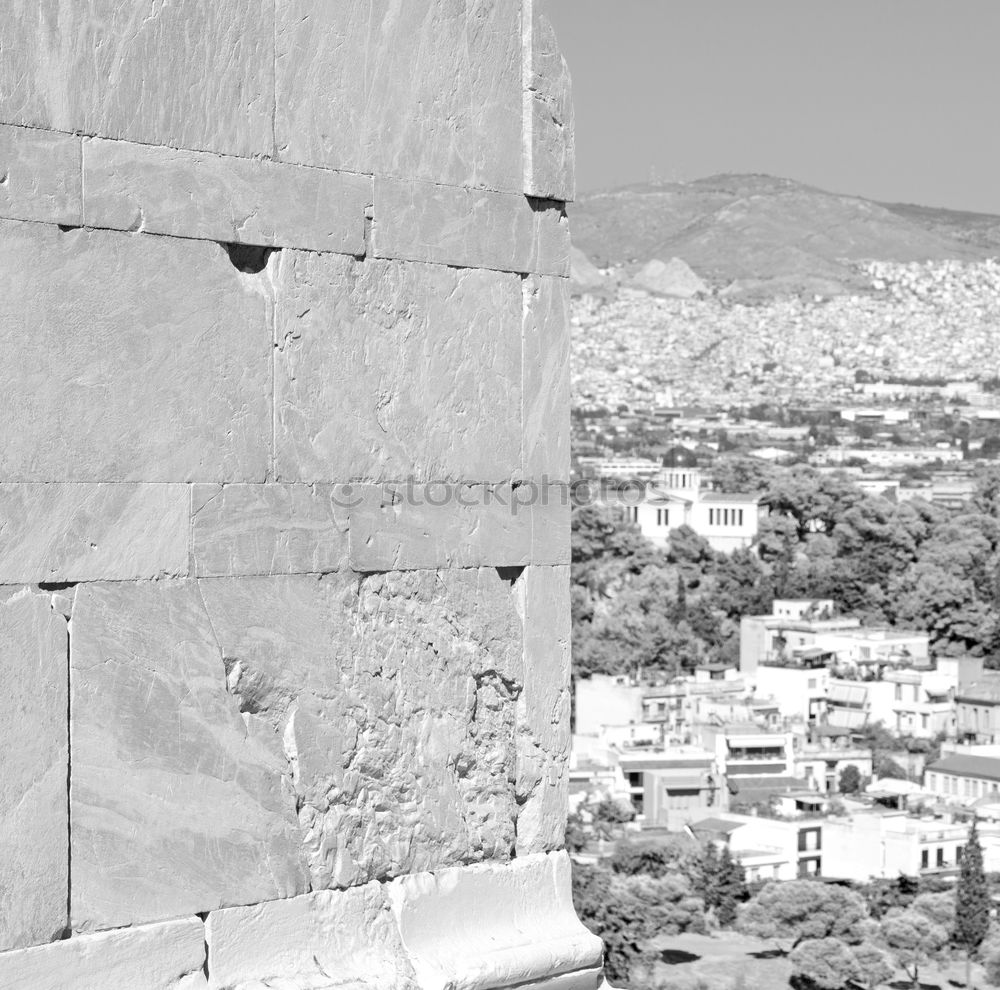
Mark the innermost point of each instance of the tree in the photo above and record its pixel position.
(731, 889)
(913, 939)
(677, 854)
(873, 965)
(850, 779)
(826, 963)
(972, 901)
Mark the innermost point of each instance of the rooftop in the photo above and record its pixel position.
(987, 767)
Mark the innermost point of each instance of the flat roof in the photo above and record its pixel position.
(987, 767)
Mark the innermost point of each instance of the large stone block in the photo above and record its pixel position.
(427, 89)
(388, 371)
(550, 522)
(546, 398)
(196, 194)
(469, 228)
(344, 938)
(39, 176)
(130, 358)
(267, 529)
(543, 709)
(395, 695)
(412, 527)
(92, 532)
(33, 767)
(168, 956)
(549, 151)
(179, 803)
(492, 925)
(187, 74)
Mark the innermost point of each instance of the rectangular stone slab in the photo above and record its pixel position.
(40, 176)
(130, 358)
(427, 89)
(34, 844)
(395, 696)
(168, 956)
(469, 228)
(188, 74)
(267, 529)
(388, 371)
(92, 532)
(179, 805)
(195, 194)
(546, 402)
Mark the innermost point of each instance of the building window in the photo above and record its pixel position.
(711, 517)
(959, 853)
(925, 859)
(740, 515)
(940, 857)
(924, 720)
(899, 692)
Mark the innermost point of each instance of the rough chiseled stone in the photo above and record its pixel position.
(388, 371)
(550, 522)
(546, 400)
(130, 358)
(494, 925)
(179, 804)
(469, 228)
(412, 527)
(324, 939)
(543, 709)
(267, 529)
(39, 176)
(395, 695)
(33, 767)
(144, 71)
(428, 89)
(219, 198)
(92, 532)
(167, 956)
(549, 155)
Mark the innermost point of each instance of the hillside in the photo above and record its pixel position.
(756, 235)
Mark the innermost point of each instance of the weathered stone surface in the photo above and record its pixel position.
(427, 89)
(130, 358)
(412, 527)
(324, 939)
(546, 354)
(549, 154)
(550, 522)
(267, 529)
(493, 925)
(168, 956)
(39, 176)
(395, 696)
(198, 194)
(178, 804)
(388, 371)
(543, 710)
(469, 228)
(188, 74)
(33, 767)
(92, 532)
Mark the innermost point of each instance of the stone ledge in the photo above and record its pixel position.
(168, 956)
(469, 228)
(40, 175)
(221, 198)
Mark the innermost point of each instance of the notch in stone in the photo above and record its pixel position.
(249, 258)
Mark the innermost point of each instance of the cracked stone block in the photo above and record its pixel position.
(92, 532)
(168, 956)
(39, 176)
(546, 389)
(195, 194)
(550, 522)
(324, 939)
(388, 371)
(428, 89)
(187, 74)
(180, 802)
(549, 155)
(395, 696)
(267, 529)
(469, 228)
(412, 527)
(543, 710)
(495, 925)
(33, 768)
(130, 358)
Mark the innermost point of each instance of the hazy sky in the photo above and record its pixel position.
(893, 99)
